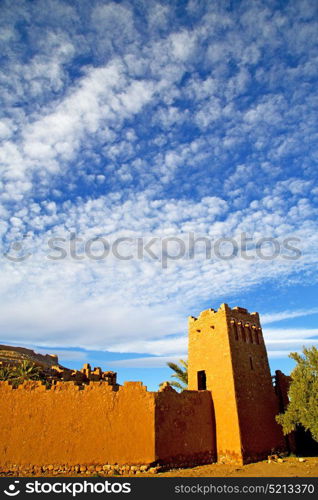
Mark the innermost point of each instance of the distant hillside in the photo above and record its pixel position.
(14, 355)
(50, 368)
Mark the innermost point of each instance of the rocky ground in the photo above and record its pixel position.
(287, 467)
(290, 467)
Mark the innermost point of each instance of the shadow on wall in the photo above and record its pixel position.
(305, 444)
(185, 427)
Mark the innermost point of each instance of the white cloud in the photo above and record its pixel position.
(127, 125)
(56, 135)
(278, 335)
(149, 362)
(174, 346)
(110, 304)
(183, 45)
(65, 355)
(283, 315)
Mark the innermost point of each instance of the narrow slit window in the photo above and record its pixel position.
(256, 337)
(251, 363)
(201, 380)
(235, 331)
(243, 334)
(250, 334)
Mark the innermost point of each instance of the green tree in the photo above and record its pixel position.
(5, 373)
(25, 371)
(303, 394)
(180, 374)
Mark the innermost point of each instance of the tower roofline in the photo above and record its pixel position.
(223, 307)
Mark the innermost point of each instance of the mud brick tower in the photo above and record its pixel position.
(227, 356)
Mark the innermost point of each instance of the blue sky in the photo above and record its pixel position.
(147, 119)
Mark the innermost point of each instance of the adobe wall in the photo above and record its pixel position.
(185, 428)
(98, 424)
(71, 425)
(282, 383)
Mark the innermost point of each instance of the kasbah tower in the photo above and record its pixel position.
(227, 356)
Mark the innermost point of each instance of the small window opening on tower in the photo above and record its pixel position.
(235, 331)
(201, 380)
(243, 334)
(251, 363)
(250, 335)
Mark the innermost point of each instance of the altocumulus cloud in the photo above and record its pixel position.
(153, 120)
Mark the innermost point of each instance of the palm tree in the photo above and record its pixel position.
(25, 371)
(5, 373)
(180, 373)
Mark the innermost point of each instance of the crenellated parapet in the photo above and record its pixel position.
(56, 385)
(245, 326)
(235, 312)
